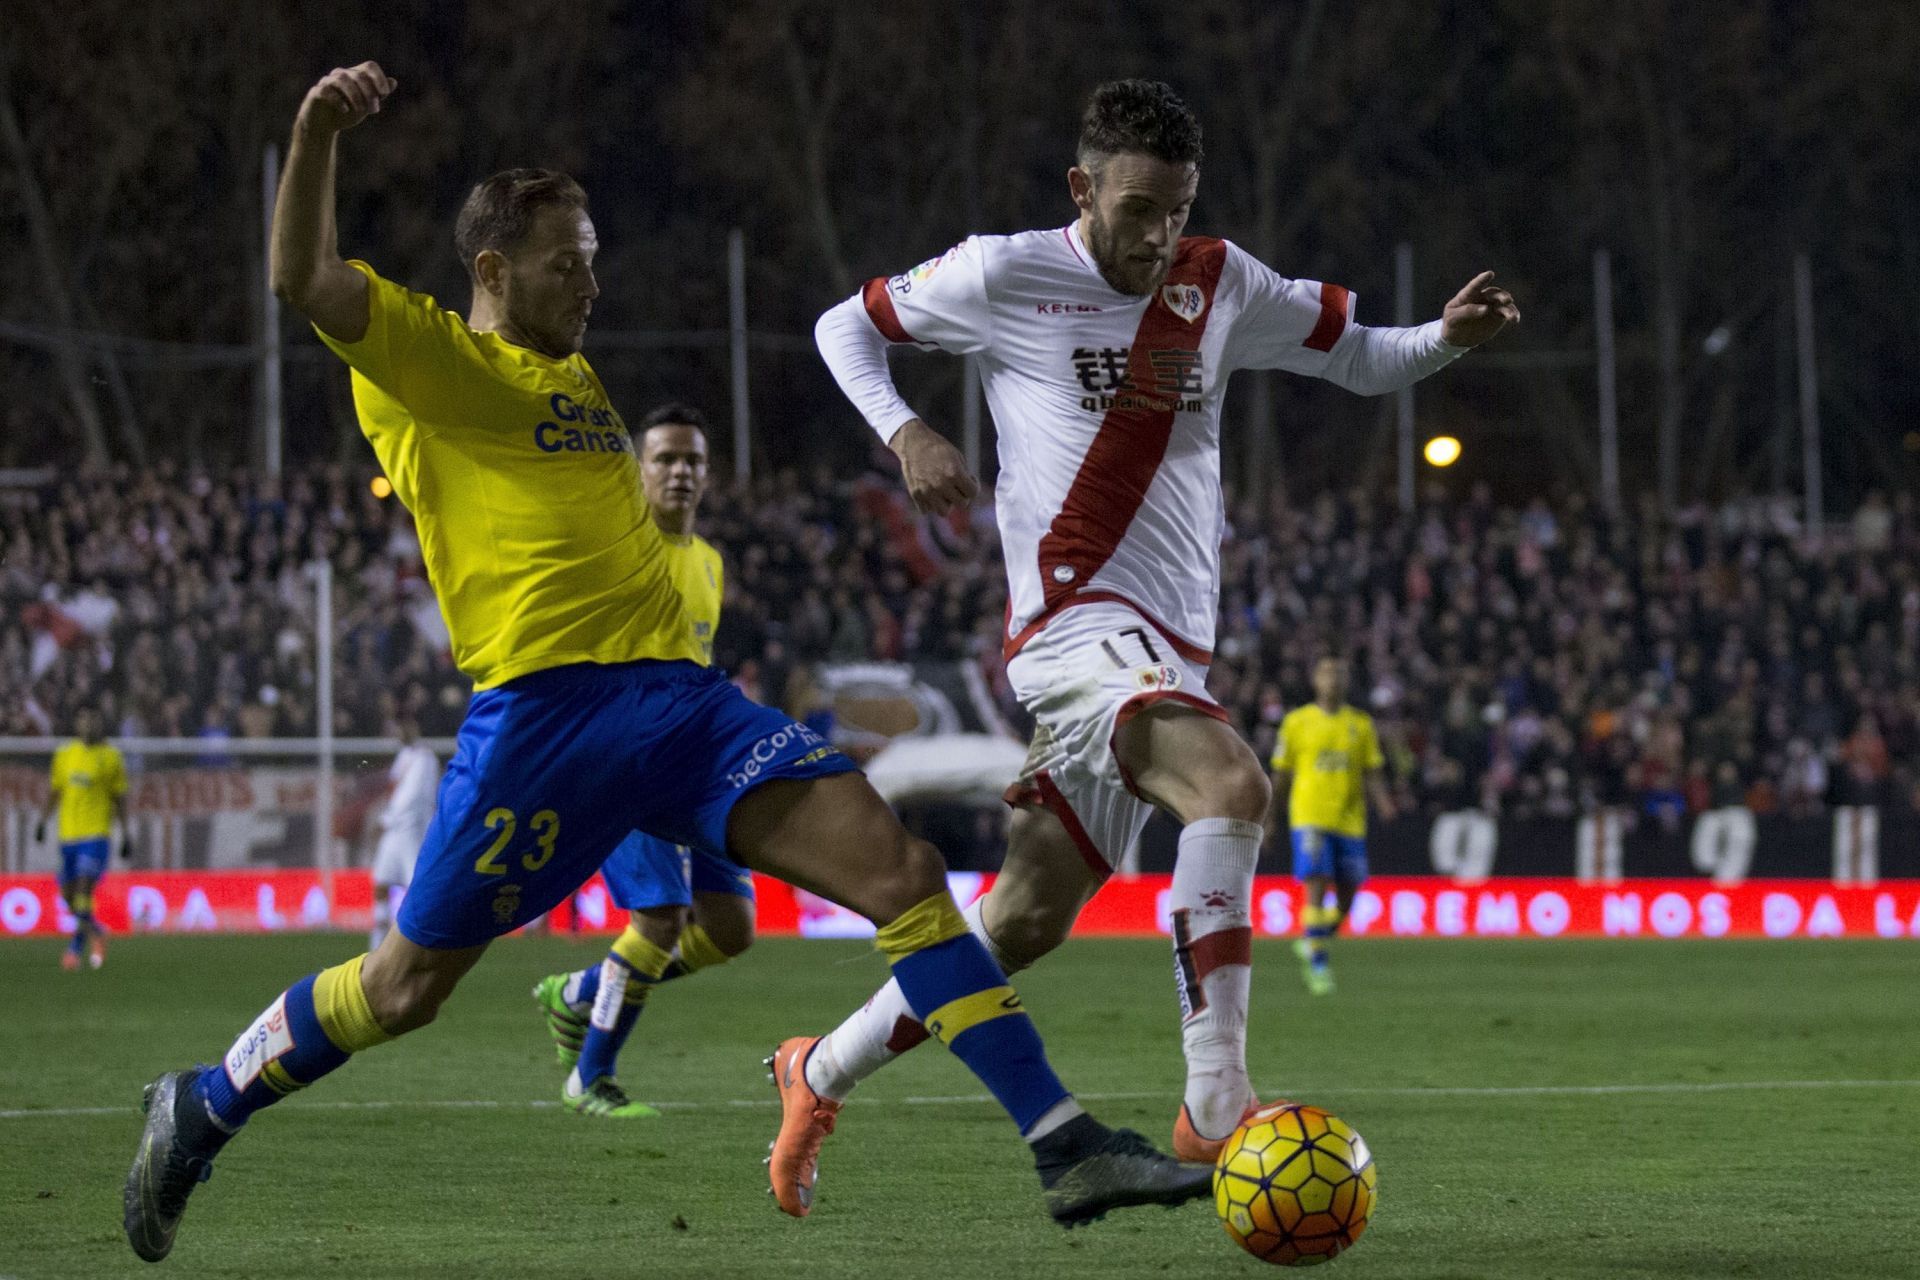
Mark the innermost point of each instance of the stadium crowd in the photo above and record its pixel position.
(1529, 661)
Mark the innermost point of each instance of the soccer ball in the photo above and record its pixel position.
(1294, 1185)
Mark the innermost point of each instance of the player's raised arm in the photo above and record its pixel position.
(1374, 361)
(1305, 326)
(306, 268)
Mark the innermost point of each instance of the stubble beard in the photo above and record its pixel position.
(1106, 257)
(1108, 261)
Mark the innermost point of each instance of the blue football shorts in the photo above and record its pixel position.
(553, 769)
(646, 871)
(1326, 856)
(83, 860)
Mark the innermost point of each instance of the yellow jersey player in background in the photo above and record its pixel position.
(592, 714)
(1331, 754)
(89, 787)
(684, 901)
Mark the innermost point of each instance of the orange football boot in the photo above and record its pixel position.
(806, 1119)
(1191, 1147)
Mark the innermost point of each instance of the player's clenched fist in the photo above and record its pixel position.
(345, 96)
(936, 473)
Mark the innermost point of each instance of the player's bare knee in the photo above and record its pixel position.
(1242, 792)
(1028, 930)
(661, 926)
(915, 873)
(732, 935)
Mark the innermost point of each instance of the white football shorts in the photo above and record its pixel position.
(1089, 671)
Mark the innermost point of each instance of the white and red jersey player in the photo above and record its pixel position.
(1108, 406)
(1105, 348)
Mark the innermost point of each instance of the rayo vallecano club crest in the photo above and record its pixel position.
(1184, 300)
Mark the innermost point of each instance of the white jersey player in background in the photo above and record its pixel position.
(414, 778)
(1105, 347)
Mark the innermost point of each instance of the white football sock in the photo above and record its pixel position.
(611, 996)
(1213, 939)
(880, 1030)
(570, 990)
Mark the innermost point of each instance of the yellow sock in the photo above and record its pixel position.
(922, 925)
(643, 957)
(699, 951)
(341, 1007)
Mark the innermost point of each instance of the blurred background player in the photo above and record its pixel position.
(1331, 754)
(88, 786)
(1105, 349)
(592, 716)
(685, 901)
(414, 778)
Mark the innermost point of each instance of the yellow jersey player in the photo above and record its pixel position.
(689, 902)
(592, 715)
(89, 787)
(1332, 756)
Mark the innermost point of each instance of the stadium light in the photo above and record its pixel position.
(382, 487)
(1442, 451)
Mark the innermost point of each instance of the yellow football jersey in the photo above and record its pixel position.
(88, 779)
(700, 578)
(1329, 756)
(524, 488)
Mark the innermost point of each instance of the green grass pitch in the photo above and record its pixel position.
(1537, 1110)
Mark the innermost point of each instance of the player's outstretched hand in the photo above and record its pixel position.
(1477, 312)
(345, 96)
(936, 473)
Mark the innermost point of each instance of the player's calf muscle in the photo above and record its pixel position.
(406, 984)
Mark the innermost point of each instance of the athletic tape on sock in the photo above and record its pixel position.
(925, 924)
(340, 1006)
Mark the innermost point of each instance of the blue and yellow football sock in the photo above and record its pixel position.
(627, 976)
(1320, 923)
(959, 993)
(313, 1027)
(695, 950)
(80, 903)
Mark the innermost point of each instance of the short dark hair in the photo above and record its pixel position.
(677, 413)
(499, 211)
(1142, 116)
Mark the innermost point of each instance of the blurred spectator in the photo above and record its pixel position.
(1527, 662)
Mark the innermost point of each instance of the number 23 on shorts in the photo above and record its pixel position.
(545, 826)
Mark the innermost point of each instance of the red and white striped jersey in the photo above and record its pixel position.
(1107, 405)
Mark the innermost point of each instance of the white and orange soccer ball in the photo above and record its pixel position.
(1294, 1185)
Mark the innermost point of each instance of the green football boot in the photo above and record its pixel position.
(606, 1099)
(568, 1029)
(1314, 969)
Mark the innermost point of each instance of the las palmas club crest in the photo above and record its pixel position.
(1184, 300)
